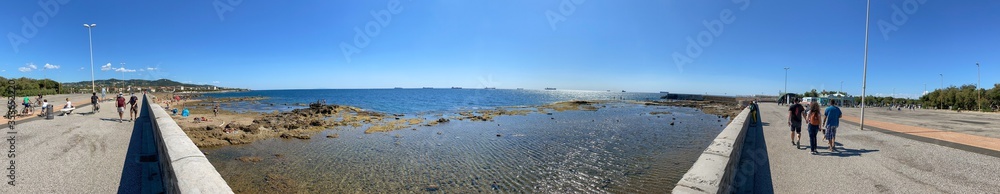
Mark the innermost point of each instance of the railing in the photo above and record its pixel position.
(185, 169)
(715, 169)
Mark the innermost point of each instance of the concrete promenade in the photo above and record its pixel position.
(873, 161)
(972, 123)
(78, 153)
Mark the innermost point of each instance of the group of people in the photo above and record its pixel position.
(120, 103)
(39, 102)
(830, 122)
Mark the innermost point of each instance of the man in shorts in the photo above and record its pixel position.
(133, 107)
(832, 121)
(94, 103)
(27, 106)
(795, 113)
(120, 103)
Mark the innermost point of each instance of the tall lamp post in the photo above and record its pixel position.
(942, 90)
(841, 93)
(942, 81)
(785, 94)
(978, 82)
(864, 77)
(123, 77)
(90, 36)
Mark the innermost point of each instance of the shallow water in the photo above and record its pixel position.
(618, 149)
(407, 101)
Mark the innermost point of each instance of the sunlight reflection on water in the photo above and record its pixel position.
(616, 150)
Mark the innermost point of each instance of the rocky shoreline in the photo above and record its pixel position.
(231, 128)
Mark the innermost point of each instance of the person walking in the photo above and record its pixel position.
(795, 113)
(831, 122)
(216, 109)
(813, 119)
(133, 107)
(120, 103)
(94, 103)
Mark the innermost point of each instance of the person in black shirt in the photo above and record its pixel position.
(93, 102)
(134, 107)
(795, 123)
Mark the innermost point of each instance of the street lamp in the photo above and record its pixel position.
(785, 95)
(90, 36)
(978, 82)
(942, 81)
(864, 77)
(123, 77)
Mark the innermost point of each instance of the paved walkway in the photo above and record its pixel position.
(79, 153)
(988, 143)
(872, 162)
(972, 123)
(58, 100)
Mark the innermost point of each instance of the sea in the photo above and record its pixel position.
(402, 101)
(619, 148)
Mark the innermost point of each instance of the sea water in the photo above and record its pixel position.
(620, 148)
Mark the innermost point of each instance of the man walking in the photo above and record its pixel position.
(93, 103)
(832, 121)
(795, 122)
(133, 108)
(120, 103)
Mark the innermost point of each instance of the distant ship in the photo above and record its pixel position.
(398, 88)
(623, 90)
(428, 87)
(456, 87)
(664, 92)
(491, 88)
(520, 88)
(550, 88)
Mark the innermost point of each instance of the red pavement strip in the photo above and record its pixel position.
(959, 138)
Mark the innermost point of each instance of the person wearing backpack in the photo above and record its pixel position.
(120, 103)
(795, 113)
(813, 119)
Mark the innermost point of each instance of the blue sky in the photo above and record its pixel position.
(567, 44)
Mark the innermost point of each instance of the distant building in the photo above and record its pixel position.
(684, 96)
(824, 101)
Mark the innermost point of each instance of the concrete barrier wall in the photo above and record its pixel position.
(715, 169)
(186, 169)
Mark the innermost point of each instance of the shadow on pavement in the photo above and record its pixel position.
(753, 173)
(845, 152)
(114, 120)
(132, 172)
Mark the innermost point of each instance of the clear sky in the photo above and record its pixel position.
(568, 44)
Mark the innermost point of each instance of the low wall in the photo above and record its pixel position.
(715, 169)
(185, 168)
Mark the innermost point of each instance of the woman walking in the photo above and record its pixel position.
(813, 118)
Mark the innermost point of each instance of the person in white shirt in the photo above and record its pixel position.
(45, 104)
